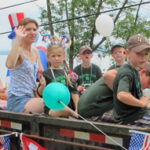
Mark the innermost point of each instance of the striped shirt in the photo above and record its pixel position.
(23, 78)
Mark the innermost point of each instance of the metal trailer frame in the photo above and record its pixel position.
(70, 134)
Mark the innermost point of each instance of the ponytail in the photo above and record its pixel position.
(68, 75)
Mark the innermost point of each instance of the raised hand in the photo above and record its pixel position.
(20, 33)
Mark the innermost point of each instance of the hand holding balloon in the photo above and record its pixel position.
(104, 25)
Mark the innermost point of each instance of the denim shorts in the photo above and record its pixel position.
(17, 103)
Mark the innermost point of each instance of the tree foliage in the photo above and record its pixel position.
(81, 16)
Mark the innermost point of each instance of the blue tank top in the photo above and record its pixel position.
(23, 78)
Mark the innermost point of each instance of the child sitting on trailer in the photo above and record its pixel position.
(98, 99)
(56, 73)
(23, 61)
(130, 106)
(118, 54)
(87, 72)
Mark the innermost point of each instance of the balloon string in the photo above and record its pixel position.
(78, 115)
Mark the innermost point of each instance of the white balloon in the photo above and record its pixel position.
(104, 25)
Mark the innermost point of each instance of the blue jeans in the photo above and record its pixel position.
(17, 103)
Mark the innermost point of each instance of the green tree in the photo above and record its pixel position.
(77, 18)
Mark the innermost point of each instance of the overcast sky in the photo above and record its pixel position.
(32, 10)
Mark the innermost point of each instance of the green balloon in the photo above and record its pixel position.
(55, 92)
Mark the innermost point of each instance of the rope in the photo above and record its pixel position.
(78, 115)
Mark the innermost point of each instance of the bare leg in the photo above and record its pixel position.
(60, 113)
(35, 105)
(3, 104)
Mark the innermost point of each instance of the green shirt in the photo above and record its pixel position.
(87, 76)
(96, 100)
(59, 76)
(127, 80)
(113, 67)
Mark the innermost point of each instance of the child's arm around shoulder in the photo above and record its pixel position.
(129, 99)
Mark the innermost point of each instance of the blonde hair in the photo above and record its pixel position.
(56, 48)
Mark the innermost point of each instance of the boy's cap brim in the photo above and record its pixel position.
(138, 43)
(84, 48)
(140, 48)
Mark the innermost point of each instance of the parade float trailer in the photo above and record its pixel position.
(67, 134)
